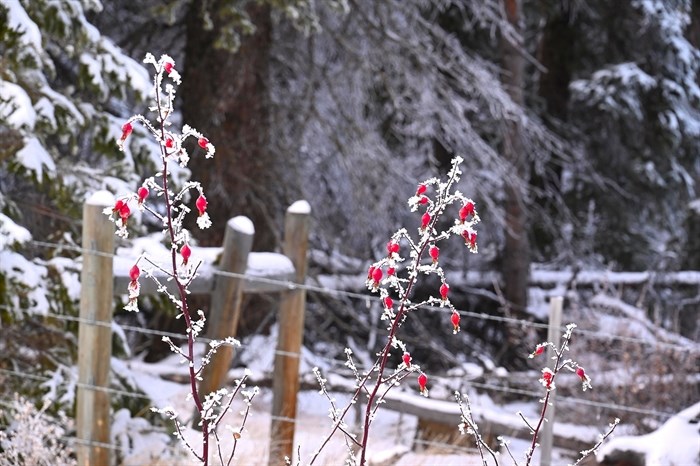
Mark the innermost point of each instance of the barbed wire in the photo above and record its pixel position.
(337, 293)
(290, 285)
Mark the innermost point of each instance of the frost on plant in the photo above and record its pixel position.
(31, 437)
(181, 265)
(409, 256)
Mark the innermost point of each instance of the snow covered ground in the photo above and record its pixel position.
(391, 440)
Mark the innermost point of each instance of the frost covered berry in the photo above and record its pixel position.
(466, 211)
(423, 200)
(444, 289)
(539, 349)
(142, 194)
(422, 382)
(425, 221)
(388, 302)
(421, 189)
(377, 275)
(391, 271)
(134, 273)
(585, 380)
(118, 205)
(434, 252)
(581, 373)
(469, 239)
(185, 252)
(407, 359)
(370, 271)
(203, 142)
(127, 128)
(455, 322)
(169, 143)
(168, 66)
(201, 204)
(124, 211)
(547, 377)
(392, 247)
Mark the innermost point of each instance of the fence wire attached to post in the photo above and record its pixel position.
(95, 341)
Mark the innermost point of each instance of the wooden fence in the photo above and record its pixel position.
(104, 275)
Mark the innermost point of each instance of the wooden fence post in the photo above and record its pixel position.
(226, 299)
(285, 383)
(95, 333)
(554, 336)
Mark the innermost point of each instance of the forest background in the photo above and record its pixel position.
(579, 123)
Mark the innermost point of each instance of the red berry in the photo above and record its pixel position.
(134, 273)
(423, 200)
(370, 271)
(203, 142)
(455, 321)
(444, 289)
(388, 302)
(434, 253)
(466, 211)
(547, 376)
(425, 221)
(142, 193)
(201, 204)
(391, 271)
(581, 373)
(421, 189)
(127, 128)
(124, 212)
(392, 247)
(469, 238)
(185, 252)
(168, 66)
(118, 205)
(539, 350)
(377, 275)
(407, 359)
(422, 381)
(169, 143)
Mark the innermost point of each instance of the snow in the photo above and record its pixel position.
(19, 20)
(101, 198)
(11, 233)
(18, 269)
(300, 207)
(676, 443)
(268, 263)
(16, 109)
(242, 224)
(34, 157)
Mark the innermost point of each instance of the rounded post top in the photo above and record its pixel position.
(101, 198)
(241, 224)
(300, 207)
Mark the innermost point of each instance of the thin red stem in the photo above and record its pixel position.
(182, 290)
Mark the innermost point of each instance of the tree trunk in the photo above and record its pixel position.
(516, 253)
(226, 96)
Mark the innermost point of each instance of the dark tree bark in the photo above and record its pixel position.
(226, 96)
(516, 252)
